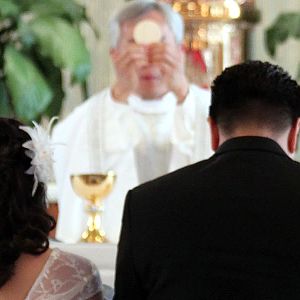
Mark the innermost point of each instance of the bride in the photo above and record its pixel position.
(29, 269)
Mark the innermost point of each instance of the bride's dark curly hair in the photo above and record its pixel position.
(24, 222)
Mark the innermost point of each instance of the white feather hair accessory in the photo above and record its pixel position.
(39, 149)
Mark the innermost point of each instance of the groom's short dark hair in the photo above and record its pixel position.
(255, 92)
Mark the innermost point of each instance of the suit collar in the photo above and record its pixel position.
(251, 143)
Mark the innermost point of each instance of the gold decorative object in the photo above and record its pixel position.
(216, 10)
(93, 188)
(215, 36)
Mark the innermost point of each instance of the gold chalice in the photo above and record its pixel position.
(93, 188)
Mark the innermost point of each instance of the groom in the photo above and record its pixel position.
(227, 227)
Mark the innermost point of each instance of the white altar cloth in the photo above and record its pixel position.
(102, 255)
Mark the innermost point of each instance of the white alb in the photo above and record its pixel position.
(138, 141)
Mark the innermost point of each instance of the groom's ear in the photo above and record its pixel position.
(214, 134)
(293, 136)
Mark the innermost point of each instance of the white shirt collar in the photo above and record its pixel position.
(154, 106)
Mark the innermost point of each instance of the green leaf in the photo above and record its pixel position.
(8, 8)
(271, 41)
(26, 35)
(5, 109)
(60, 8)
(55, 106)
(294, 25)
(29, 91)
(63, 43)
(54, 79)
(298, 72)
(285, 26)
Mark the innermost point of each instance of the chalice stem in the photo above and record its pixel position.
(94, 221)
(94, 233)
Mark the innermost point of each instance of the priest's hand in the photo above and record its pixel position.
(127, 63)
(172, 64)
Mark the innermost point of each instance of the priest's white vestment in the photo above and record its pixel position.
(139, 140)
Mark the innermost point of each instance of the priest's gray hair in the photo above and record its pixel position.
(138, 8)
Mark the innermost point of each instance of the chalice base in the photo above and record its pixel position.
(93, 232)
(93, 236)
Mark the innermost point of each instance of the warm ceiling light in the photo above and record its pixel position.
(177, 6)
(191, 6)
(234, 10)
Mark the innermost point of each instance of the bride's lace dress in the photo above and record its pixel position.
(66, 276)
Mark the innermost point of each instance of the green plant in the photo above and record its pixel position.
(38, 39)
(286, 25)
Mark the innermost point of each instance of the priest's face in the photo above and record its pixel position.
(148, 69)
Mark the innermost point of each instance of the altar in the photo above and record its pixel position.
(102, 255)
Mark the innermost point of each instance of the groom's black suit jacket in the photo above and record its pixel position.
(224, 228)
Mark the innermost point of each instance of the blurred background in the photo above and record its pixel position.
(230, 38)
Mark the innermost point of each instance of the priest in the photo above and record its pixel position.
(149, 122)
